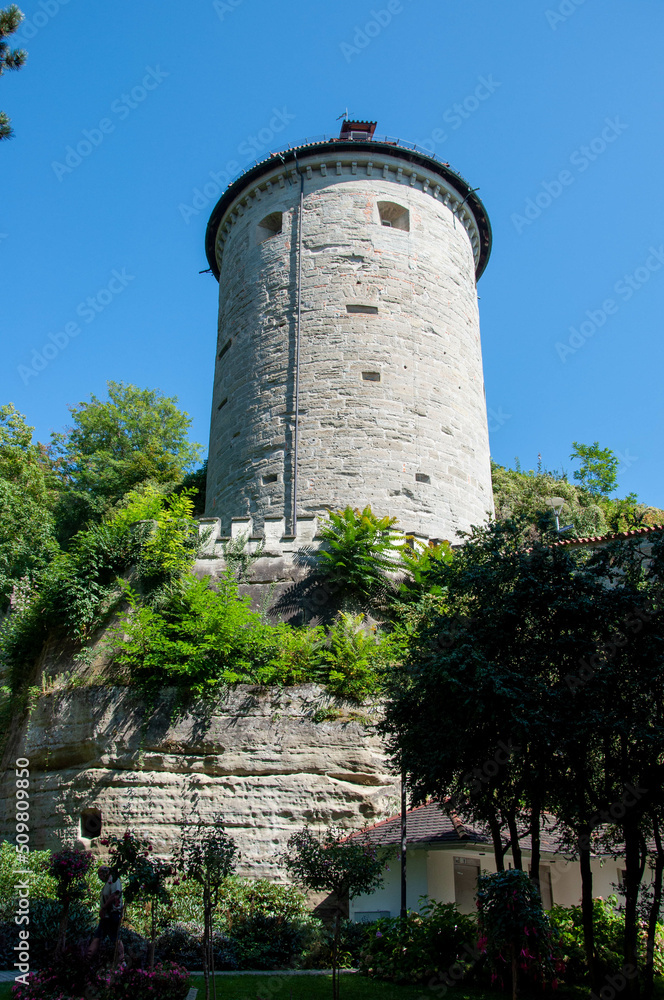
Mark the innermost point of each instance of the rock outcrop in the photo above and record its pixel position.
(257, 757)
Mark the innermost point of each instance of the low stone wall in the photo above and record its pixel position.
(256, 756)
(282, 559)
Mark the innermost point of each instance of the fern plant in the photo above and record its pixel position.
(361, 551)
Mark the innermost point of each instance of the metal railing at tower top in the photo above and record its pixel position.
(317, 140)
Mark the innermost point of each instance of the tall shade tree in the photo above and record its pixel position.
(10, 19)
(112, 445)
(534, 689)
(346, 868)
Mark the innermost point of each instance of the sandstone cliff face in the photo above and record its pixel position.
(255, 756)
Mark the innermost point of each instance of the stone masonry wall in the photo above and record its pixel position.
(394, 305)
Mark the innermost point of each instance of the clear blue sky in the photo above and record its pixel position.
(573, 87)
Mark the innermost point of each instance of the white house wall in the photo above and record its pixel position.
(431, 873)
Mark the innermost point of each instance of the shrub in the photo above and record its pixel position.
(167, 981)
(353, 658)
(45, 916)
(425, 944)
(515, 933)
(609, 932)
(68, 977)
(184, 944)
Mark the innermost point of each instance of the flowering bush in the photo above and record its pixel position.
(425, 944)
(69, 868)
(515, 933)
(39, 986)
(167, 981)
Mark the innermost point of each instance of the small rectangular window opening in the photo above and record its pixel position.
(368, 310)
(386, 222)
(222, 403)
(270, 477)
(225, 348)
(371, 376)
(420, 477)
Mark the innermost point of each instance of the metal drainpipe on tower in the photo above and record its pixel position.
(296, 434)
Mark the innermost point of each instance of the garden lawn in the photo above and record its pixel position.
(353, 987)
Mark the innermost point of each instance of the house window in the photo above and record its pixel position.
(225, 348)
(393, 215)
(466, 871)
(546, 892)
(90, 823)
(269, 226)
(270, 477)
(371, 376)
(421, 477)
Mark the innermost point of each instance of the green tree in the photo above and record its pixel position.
(346, 868)
(207, 856)
(599, 468)
(28, 496)
(10, 19)
(533, 651)
(113, 445)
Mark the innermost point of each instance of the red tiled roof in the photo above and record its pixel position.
(648, 530)
(436, 824)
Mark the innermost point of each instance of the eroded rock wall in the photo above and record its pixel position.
(256, 756)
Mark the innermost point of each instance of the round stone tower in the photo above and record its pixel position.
(349, 367)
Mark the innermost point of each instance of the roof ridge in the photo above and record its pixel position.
(647, 529)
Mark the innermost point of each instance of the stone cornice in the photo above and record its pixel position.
(349, 161)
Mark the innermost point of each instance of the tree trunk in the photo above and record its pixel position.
(62, 931)
(514, 840)
(214, 978)
(654, 912)
(335, 954)
(587, 905)
(535, 842)
(206, 944)
(497, 839)
(515, 974)
(632, 880)
(153, 930)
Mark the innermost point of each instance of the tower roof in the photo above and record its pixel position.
(383, 145)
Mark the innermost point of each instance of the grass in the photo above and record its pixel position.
(272, 987)
(286, 987)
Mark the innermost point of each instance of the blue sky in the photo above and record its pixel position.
(100, 252)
